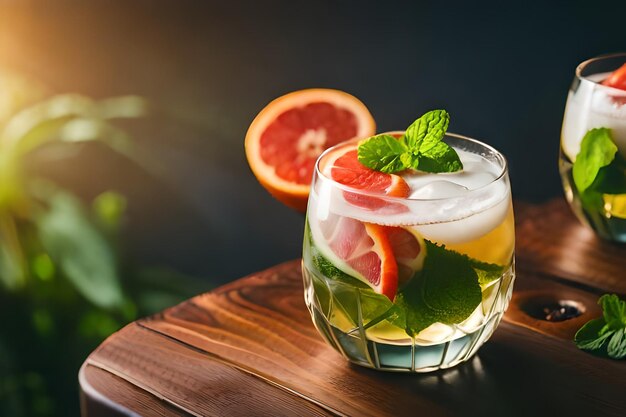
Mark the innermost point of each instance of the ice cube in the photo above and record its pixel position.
(439, 189)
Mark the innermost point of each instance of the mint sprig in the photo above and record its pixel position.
(421, 147)
(605, 335)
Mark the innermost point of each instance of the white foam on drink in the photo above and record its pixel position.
(443, 207)
(591, 106)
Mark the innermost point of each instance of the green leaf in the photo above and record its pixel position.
(616, 348)
(80, 251)
(427, 131)
(614, 311)
(43, 267)
(42, 121)
(588, 336)
(611, 179)
(384, 153)
(486, 272)
(611, 328)
(96, 324)
(123, 107)
(445, 291)
(421, 148)
(109, 207)
(597, 150)
(439, 158)
(13, 268)
(70, 118)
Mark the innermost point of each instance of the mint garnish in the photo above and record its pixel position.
(445, 291)
(598, 169)
(486, 272)
(597, 151)
(421, 147)
(607, 334)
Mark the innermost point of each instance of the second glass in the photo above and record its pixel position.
(592, 105)
(448, 246)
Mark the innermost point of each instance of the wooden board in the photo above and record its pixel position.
(249, 348)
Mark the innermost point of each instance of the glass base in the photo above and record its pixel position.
(410, 356)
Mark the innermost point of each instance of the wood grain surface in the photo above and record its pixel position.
(249, 348)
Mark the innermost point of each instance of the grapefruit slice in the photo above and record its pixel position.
(287, 136)
(359, 249)
(409, 250)
(617, 79)
(344, 167)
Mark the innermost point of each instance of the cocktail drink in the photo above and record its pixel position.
(593, 145)
(409, 269)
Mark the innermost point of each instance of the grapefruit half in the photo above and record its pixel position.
(287, 136)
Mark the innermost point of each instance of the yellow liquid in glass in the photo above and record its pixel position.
(495, 247)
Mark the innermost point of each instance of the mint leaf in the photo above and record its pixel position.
(611, 327)
(611, 179)
(616, 348)
(597, 150)
(376, 308)
(486, 272)
(440, 158)
(421, 148)
(614, 311)
(428, 130)
(445, 291)
(384, 153)
(588, 336)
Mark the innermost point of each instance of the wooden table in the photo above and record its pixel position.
(249, 348)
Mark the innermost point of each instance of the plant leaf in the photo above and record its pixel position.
(588, 336)
(12, 274)
(616, 348)
(439, 158)
(71, 118)
(41, 122)
(109, 208)
(383, 153)
(614, 311)
(80, 251)
(445, 291)
(597, 150)
(611, 179)
(428, 130)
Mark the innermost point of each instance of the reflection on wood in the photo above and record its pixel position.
(551, 240)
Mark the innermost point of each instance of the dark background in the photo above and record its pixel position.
(502, 70)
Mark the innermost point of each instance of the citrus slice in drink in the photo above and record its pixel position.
(617, 79)
(409, 250)
(286, 137)
(344, 167)
(359, 249)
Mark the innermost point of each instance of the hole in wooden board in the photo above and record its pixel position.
(553, 310)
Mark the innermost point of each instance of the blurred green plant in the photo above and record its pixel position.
(61, 290)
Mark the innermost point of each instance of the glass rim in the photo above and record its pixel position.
(581, 67)
(501, 174)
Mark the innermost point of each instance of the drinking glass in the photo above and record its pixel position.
(452, 291)
(591, 105)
